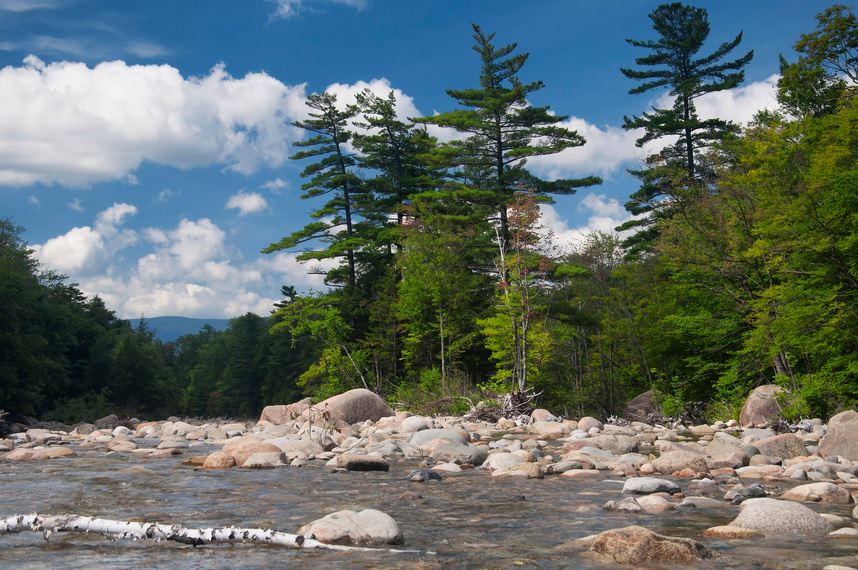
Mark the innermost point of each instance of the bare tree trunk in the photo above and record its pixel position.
(113, 529)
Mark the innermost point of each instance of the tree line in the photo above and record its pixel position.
(443, 288)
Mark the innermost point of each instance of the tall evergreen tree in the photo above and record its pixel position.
(504, 130)
(336, 221)
(673, 62)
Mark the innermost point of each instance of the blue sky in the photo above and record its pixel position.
(144, 145)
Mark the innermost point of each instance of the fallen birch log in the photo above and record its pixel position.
(113, 529)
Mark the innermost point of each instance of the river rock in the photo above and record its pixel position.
(842, 436)
(648, 485)
(636, 545)
(353, 407)
(422, 475)
(628, 505)
(587, 423)
(543, 415)
(413, 424)
(501, 461)
(642, 408)
(732, 533)
(24, 454)
(680, 459)
(246, 447)
(265, 460)
(818, 492)
(356, 462)
(283, 414)
(368, 527)
(547, 428)
(107, 422)
(121, 446)
(427, 435)
(287, 444)
(219, 460)
(59, 452)
(655, 504)
(773, 516)
(452, 452)
(761, 406)
(616, 444)
(785, 446)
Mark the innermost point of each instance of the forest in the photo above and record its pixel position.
(740, 267)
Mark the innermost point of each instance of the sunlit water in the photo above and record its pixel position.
(471, 520)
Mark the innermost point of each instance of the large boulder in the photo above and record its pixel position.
(636, 545)
(368, 527)
(352, 407)
(785, 446)
(842, 436)
(282, 414)
(642, 408)
(772, 516)
(762, 406)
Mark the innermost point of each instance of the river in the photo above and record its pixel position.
(468, 520)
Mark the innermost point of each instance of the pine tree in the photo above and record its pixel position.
(331, 175)
(674, 63)
(504, 130)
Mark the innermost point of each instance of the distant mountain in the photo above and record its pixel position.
(170, 328)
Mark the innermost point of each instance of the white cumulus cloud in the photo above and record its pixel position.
(66, 123)
(85, 251)
(250, 203)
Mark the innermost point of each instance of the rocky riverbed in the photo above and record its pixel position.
(536, 491)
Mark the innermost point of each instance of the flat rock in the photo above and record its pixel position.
(368, 527)
(732, 533)
(648, 485)
(24, 454)
(355, 462)
(637, 545)
(425, 436)
(773, 516)
(818, 492)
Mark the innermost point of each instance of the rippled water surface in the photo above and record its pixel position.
(471, 520)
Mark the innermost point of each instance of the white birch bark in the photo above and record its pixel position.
(113, 529)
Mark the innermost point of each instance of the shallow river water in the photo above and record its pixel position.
(470, 520)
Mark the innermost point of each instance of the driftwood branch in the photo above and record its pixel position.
(112, 529)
